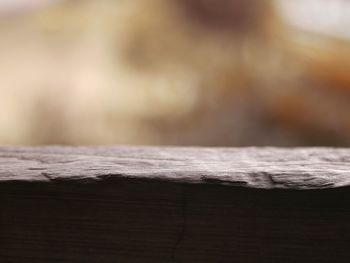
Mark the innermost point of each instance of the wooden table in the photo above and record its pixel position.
(163, 204)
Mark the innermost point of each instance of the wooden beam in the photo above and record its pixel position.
(155, 204)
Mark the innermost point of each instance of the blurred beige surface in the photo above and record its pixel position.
(169, 72)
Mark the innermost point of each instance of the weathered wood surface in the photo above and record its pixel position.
(139, 204)
(303, 168)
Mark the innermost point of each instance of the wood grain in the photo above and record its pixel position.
(301, 168)
(164, 204)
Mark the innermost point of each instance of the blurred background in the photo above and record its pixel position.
(175, 72)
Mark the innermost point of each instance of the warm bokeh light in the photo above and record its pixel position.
(224, 72)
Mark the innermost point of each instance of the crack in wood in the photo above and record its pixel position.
(183, 227)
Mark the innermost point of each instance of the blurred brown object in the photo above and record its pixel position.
(321, 108)
(270, 88)
(225, 72)
(233, 15)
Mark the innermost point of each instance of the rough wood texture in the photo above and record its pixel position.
(251, 167)
(139, 204)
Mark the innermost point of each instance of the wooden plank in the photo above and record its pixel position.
(154, 204)
(300, 168)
